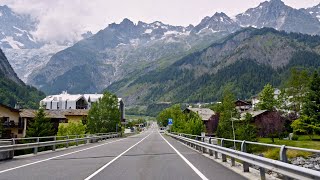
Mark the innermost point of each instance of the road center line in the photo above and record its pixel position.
(186, 160)
(36, 162)
(106, 165)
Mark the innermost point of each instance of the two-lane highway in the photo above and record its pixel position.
(149, 155)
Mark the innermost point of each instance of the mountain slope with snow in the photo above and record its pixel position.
(277, 15)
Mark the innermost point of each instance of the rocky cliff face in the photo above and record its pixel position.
(6, 70)
(314, 11)
(277, 15)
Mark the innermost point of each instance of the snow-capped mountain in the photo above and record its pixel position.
(314, 11)
(23, 51)
(276, 14)
(217, 23)
(16, 30)
(27, 61)
(116, 51)
(121, 49)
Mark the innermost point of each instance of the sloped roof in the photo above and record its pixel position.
(204, 113)
(74, 112)
(63, 97)
(31, 113)
(253, 113)
(243, 101)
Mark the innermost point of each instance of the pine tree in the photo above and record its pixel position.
(40, 126)
(309, 122)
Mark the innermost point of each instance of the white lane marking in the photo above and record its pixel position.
(36, 162)
(106, 165)
(186, 160)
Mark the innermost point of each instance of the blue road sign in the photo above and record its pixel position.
(169, 121)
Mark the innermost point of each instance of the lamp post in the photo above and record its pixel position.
(234, 135)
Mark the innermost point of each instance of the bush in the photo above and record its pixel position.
(295, 137)
(71, 128)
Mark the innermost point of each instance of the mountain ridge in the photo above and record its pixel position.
(248, 59)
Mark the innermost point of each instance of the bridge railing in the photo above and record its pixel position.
(37, 142)
(213, 147)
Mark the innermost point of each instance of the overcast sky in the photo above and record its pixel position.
(67, 19)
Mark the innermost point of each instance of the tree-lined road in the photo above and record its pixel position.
(149, 155)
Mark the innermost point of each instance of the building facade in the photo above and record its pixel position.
(13, 125)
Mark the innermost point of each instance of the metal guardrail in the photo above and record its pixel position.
(281, 167)
(85, 138)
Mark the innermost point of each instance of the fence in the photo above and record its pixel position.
(52, 141)
(213, 146)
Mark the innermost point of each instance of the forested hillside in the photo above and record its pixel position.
(246, 60)
(13, 90)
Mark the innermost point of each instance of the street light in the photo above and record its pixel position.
(234, 135)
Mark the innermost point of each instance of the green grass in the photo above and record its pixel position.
(303, 142)
(273, 153)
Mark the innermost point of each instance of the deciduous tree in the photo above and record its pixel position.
(270, 125)
(267, 100)
(104, 115)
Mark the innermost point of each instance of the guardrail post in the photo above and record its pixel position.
(77, 140)
(67, 142)
(88, 140)
(197, 146)
(35, 150)
(233, 161)
(224, 157)
(284, 158)
(283, 154)
(245, 164)
(13, 143)
(210, 151)
(203, 148)
(262, 171)
(54, 145)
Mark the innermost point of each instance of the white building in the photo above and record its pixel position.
(75, 101)
(91, 98)
(64, 101)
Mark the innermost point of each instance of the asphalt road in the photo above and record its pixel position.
(147, 156)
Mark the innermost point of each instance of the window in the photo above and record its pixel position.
(20, 131)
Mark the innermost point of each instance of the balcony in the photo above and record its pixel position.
(12, 124)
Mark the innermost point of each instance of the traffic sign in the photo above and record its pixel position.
(170, 121)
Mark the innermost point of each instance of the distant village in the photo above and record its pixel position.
(211, 118)
(61, 108)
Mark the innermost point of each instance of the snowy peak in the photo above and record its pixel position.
(129, 33)
(313, 11)
(277, 15)
(16, 30)
(217, 23)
